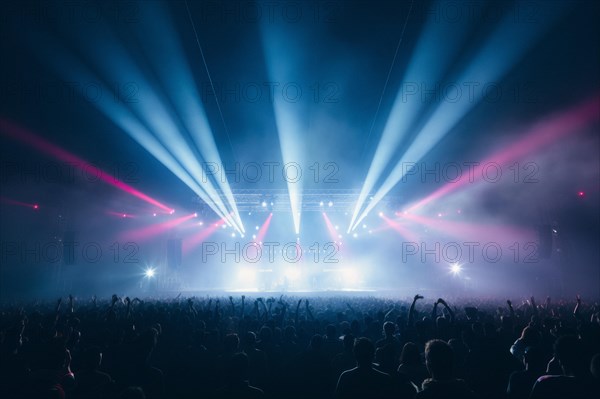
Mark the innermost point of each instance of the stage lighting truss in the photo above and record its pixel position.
(313, 200)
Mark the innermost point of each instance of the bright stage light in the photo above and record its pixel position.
(195, 214)
(247, 275)
(455, 269)
(321, 203)
(330, 204)
(35, 206)
(172, 211)
(293, 273)
(350, 276)
(150, 272)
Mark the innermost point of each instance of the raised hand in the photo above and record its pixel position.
(417, 297)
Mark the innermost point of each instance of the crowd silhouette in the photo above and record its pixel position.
(290, 347)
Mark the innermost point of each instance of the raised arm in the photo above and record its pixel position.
(284, 307)
(232, 305)
(577, 307)
(510, 308)
(434, 310)
(71, 306)
(450, 312)
(411, 312)
(297, 312)
(308, 311)
(389, 312)
(534, 306)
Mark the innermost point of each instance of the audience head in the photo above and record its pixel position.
(348, 342)
(389, 328)
(533, 357)
(569, 352)
(530, 336)
(439, 358)
(410, 355)
(316, 342)
(290, 333)
(265, 334)
(364, 351)
(250, 339)
(330, 331)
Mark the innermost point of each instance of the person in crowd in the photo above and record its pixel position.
(442, 384)
(186, 348)
(521, 382)
(411, 364)
(364, 381)
(91, 383)
(575, 381)
(236, 380)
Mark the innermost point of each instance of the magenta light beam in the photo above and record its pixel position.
(145, 233)
(536, 137)
(333, 233)
(400, 229)
(473, 231)
(191, 242)
(262, 232)
(19, 133)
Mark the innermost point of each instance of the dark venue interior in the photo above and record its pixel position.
(321, 199)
